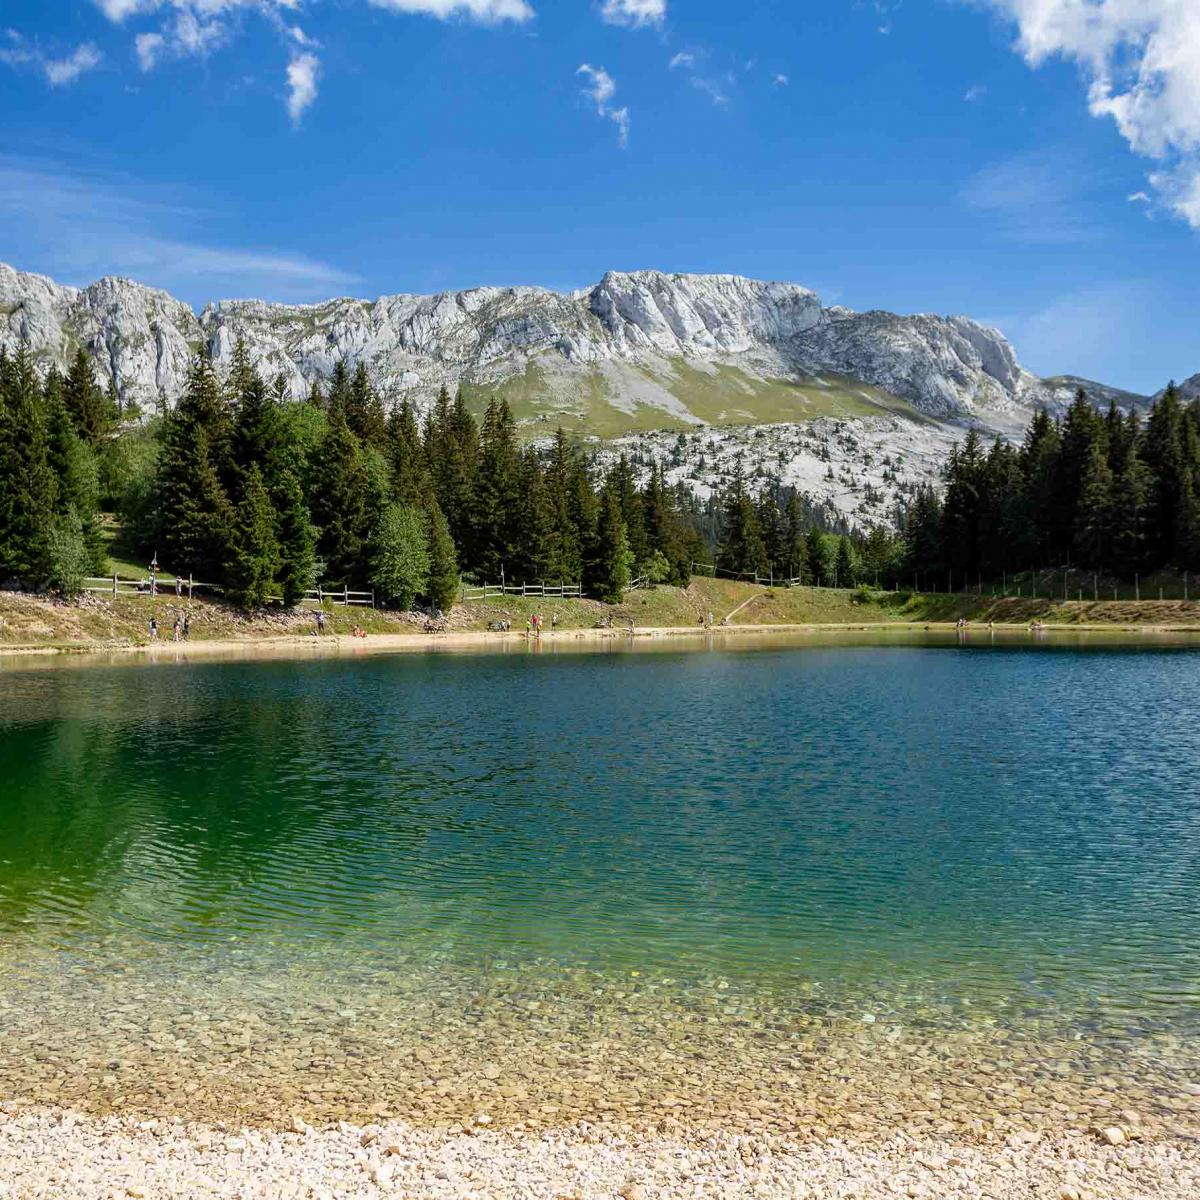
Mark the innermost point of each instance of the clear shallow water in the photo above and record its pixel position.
(952, 841)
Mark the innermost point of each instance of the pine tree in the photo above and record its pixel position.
(795, 545)
(195, 511)
(74, 465)
(254, 556)
(614, 559)
(1132, 514)
(410, 478)
(1094, 511)
(742, 550)
(90, 409)
(341, 503)
(364, 411)
(297, 541)
(28, 489)
(845, 567)
(821, 570)
(1162, 451)
(1040, 458)
(443, 562)
(923, 561)
(496, 524)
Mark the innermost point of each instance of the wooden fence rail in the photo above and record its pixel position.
(114, 585)
(497, 591)
(342, 595)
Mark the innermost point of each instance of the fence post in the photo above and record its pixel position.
(190, 585)
(114, 585)
(345, 595)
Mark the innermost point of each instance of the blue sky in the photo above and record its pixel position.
(1032, 163)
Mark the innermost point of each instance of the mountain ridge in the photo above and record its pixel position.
(625, 342)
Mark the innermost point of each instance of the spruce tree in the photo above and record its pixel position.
(497, 519)
(194, 508)
(90, 409)
(28, 488)
(443, 562)
(1094, 511)
(742, 550)
(74, 465)
(820, 569)
(341, 503)
(845, 566)
(297, 541)
(410, 477)
(364, 410)
(253, 557)
(796, 564)
(613, 556)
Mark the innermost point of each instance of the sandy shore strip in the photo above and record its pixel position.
(298, 646)
(59, 1155)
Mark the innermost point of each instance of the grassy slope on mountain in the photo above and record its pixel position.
(590, 403)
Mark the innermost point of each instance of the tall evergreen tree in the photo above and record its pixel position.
(742, 550)
(496, 524)
(341, 503)
(90, 408)
(443, 562)
(195, 511)
(1094, 511)
(614, 559)
(28, 488)
(297, 541)
(254, 556)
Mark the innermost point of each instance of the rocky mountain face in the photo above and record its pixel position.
(631, 344)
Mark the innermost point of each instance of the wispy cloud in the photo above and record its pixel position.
(600, 90)
(195, 29)
(716, 86)
(634, 13)
(17, 51)
(1034, 199)
(781, 80)
(975, 93)
(79, 225)
(84, 58)
(1140, 60)
(302, 75)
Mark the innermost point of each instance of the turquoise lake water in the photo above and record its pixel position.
(1009, 833)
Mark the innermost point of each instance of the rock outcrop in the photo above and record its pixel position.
(946, 367)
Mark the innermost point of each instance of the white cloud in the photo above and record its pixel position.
(682, 59)
(197, 28)
(1141, 62)
(975, 93)
(149, 46)
(486, 11)
(18, 52)
(302, 74)
(601, 88)
(634, 13)
(782, 80)
(79, 225)
(66, 70)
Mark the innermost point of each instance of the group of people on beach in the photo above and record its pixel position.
(180, 629)
(536, 623)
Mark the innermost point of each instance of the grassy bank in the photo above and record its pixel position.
(28, 622)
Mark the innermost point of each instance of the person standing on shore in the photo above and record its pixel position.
(187, 626)
(320, 616)
(154, 629)
(175, 629)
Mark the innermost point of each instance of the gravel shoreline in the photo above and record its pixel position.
(52, 1153)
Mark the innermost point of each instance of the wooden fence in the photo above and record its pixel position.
(114, 585)
(342, 595)
(497, 591)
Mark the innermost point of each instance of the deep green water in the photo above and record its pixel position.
(1016, 830)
